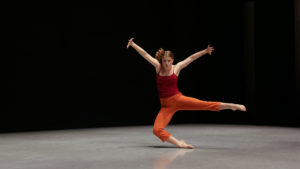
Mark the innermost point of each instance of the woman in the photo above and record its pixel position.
(171, 99)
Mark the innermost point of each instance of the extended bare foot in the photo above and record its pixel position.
(232, 106)
(239, 107)
(185, 145)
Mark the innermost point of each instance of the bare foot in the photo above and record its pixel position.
(238, 107)
(184, 145)
(241, 107)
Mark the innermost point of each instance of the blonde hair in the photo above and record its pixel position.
(161, 53)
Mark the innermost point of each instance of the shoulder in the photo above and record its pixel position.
(176, 69)
(157, 68)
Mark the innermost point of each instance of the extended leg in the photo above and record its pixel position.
(190, 103)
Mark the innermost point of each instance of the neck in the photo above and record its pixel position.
(168, 69)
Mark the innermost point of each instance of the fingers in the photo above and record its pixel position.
(129, 42)
(210, 49)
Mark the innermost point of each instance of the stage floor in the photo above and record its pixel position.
(216, 147)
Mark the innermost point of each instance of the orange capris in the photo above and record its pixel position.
(175, 103)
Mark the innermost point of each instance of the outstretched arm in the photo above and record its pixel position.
(190, 59)
(143, 53)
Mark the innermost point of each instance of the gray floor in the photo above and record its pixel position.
(217, 147)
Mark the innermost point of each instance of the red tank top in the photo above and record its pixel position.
(167, 85)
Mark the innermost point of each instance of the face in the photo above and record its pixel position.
(167, 62)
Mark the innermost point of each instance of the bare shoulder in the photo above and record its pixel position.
(157, 68)
(176, 69)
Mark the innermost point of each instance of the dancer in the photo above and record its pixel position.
(171, 99)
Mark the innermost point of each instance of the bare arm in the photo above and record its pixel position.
(143, 53)
(190, 59)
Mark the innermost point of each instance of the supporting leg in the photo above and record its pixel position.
(162, 120)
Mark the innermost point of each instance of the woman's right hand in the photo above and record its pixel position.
(129, 42)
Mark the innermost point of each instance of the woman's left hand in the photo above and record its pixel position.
(209, 49)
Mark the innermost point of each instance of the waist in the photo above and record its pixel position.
(169, 95)
(165, 102)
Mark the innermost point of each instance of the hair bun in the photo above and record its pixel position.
(159, 54)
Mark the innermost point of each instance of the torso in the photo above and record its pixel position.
(167, 82)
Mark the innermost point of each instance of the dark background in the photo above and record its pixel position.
(71, 68)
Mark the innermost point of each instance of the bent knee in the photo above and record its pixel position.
(158, 131)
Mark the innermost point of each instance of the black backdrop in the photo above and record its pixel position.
(71, 67)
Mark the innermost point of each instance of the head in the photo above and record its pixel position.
(165, 58)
